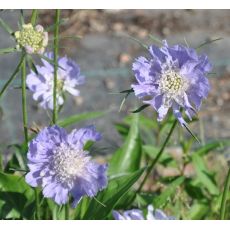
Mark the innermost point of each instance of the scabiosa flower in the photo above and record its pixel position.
(32, 39)
(136, 214)
(60, 165)
(174, 76)
(41, 85)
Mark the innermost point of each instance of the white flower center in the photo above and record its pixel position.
(68, 163)
(173, 85)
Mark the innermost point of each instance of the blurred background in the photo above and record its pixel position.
(105, 54)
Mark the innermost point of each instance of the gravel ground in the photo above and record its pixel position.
(105, 54)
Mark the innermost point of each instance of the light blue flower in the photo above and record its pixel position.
(173, 76)
(41, 85)
(60, 165)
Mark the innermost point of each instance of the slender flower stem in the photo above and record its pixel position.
(37, 203)
(225, 196)
(151, 166)
(34, 17)
(24, 109)
(56, 47)
(67, 211)
(15, 73)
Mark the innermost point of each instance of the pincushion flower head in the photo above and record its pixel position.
(41, 84)
(174, 76)
(32, 39)
(136, 214)
(59, 164)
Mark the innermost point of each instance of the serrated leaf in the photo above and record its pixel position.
(168, 192)
(128, 157)
(79, 117)
(116, 189)
(15, 195)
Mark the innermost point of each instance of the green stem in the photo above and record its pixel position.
(56, 47)
(151, 166)
(34, 17)
(37, 203)
(24, 109)
(11, 79)
(67, 211)
(225, 196)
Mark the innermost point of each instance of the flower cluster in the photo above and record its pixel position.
(174, 76)
(60, 165)
(41, 84)
(32, 39)
(136, 214)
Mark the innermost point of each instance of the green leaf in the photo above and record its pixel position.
(31, 64)
(6, 27)
(109, 197)
(198, 211)
(155, 39)
(203, 175)
(7, 50)
(128, 157)
(208, 42)
(152, 152)
(57, 211)
(15, 196)
(34, 17)
(138, 41)
(79, 117)
(140, 108)
(168, 192)
(191, 133)
(144, 199)
(21, 19)
(127, 91)
(16, 71)
(210, 146)
(194, 189)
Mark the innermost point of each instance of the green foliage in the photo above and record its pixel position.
(127, 158)
(167, 193)
(108, 198)
(204, 177)
(16, 197)
(79, 117)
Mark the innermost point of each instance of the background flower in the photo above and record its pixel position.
(136, 214)
(41, 85)
(60, 165)
(32, 39)
(173, 77)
